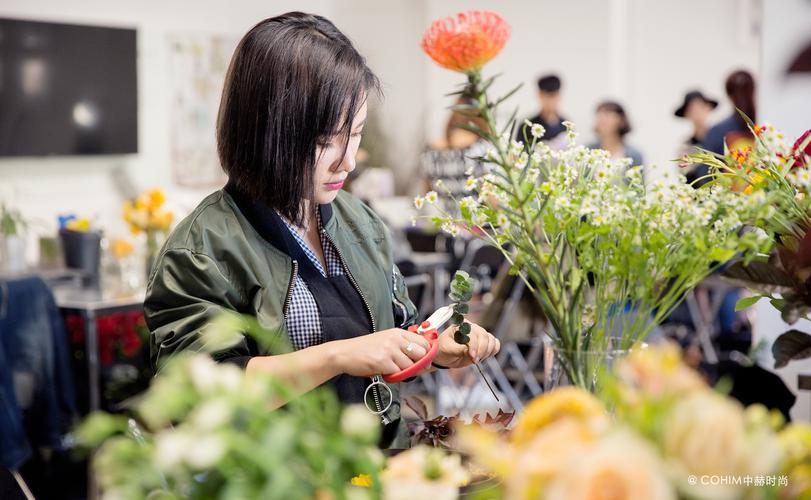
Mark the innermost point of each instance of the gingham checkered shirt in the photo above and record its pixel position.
(303, 318)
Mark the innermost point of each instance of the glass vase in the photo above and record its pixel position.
(581, 368)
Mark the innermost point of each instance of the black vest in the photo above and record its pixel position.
(341, 308)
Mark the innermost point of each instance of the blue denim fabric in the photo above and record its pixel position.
(33, 346)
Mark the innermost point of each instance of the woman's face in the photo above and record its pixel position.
(607, 123)
(333, 164)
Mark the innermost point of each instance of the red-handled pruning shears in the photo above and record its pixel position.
(427, 329)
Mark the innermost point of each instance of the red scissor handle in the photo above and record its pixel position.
(433, 339)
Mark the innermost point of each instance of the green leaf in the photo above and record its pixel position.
(464, 328)
(460, 338)
(747, 302)
(778, 304)
(791, 345)
(721, 254)
(461, 308)
(457, 318)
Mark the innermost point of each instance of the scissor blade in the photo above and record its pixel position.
(439, 318)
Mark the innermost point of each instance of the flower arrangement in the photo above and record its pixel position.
(772, 171)
(669, 436)
(606, 257)
(146, 214)
(206, 430)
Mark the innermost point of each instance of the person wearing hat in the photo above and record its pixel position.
(697, 109)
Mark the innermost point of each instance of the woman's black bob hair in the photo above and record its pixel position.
(294, 81)
(615, 107)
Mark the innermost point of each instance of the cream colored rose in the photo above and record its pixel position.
(536, 462)
(706, 438)
(620, 466)
(657, 372)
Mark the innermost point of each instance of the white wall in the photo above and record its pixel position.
(44, 187)
(644, 53)
(786, 102)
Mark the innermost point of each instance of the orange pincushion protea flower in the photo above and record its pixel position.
(467, 41)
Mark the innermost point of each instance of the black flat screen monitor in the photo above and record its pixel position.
(67, 89)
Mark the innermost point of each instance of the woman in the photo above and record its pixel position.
(696, 109)
(281, 241)
(732, 132)
(611, 126)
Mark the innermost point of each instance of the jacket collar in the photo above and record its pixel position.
(269, 224)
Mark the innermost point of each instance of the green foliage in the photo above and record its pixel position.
(589, 238)
(461, 291)
(789, 346)
(11, 221)
(206, 430)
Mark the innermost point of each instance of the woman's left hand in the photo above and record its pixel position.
(482, 345)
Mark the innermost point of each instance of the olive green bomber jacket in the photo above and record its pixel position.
(215, 260)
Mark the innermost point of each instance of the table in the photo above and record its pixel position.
(90, 303)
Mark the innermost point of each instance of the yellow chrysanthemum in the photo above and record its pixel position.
(161, 220)
(553, 406)
(362, 480)
(155, 199)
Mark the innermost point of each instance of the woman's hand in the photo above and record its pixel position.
(482, 345)
(379, 353)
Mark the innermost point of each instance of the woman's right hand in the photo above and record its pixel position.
(379, 353)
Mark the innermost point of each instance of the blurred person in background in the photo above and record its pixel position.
(549, 116)
(611, 125)
(450, 159)
(732, 131)
(696, 108)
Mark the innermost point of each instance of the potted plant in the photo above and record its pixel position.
(12, 251)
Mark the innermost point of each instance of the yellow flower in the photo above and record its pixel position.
(121, 248)
(619, 466)
(555, 405)
(799, 482)
(657, 371)
(795, 438)
(82, 225)
(161, 220)
(155, 199)
(362, 480)
(753, 182)
(547, 453)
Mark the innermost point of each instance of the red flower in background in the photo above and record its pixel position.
(118, 334)
(467, 41)
(801, 157)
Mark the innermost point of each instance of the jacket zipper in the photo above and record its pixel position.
(375, 390)
(289, 296)
(351, 279)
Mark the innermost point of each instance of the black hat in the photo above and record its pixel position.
(695, 94)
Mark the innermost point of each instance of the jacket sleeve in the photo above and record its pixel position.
(186, 292)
